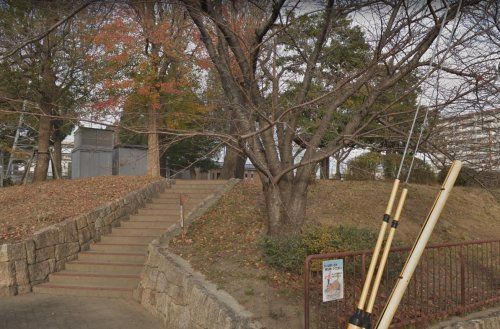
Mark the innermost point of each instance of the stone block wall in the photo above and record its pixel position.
(485, 319)
(183, 299)
(29, 262)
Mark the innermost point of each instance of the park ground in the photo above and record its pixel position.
(28, 208)
(224, 244)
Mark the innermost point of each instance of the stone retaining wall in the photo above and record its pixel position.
(486, 319)
(29, 262)
(182, 298)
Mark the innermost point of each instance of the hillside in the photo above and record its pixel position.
(469, 214)
(223, 244)
(26, 209)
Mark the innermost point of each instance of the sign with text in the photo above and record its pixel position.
(333, 280)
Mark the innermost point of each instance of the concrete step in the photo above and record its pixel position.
(117, 257)
(175, 197)
(151, 218)
(191, 190)
(162, 225)
(128, 239)
(183, 189)
(159, 212)
(119, 247)
(74, 290)
(103, 267)
(136, 231)
(91, 279)
(175, 201)
(168, 206)
(198, 182)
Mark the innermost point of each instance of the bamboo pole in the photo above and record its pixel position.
(385, 254)
(358, 319)
(418, 248)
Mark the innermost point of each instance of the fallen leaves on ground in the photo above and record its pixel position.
(26, 209)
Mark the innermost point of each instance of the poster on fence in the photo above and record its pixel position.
(333, 280)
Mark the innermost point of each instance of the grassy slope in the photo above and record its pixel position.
(223, 243)
(469, 214)
(25, 209)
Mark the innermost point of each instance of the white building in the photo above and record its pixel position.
(473, 138)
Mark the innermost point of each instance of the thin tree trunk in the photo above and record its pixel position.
(338, 175)
(2, 168)
(234, 165)
(57, 158)
(325, 168)
(153, 145)
(234, 162)
(42, 161)
(163, 165)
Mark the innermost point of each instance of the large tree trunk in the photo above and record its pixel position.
(286, 214)
(286, 202)
(234, 165)
(153, 145)
(42, 161)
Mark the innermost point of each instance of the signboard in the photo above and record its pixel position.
(333, 280)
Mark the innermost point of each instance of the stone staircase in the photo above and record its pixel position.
(111, 267)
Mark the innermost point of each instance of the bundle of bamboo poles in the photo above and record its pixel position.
(363, 314)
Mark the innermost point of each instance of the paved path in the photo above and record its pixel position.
(36, 311)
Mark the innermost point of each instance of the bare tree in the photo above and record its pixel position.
(401, 35)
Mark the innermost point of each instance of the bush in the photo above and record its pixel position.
(422, 172)
(473, 178)
(364, 167)
(289, 253)
(368, 165)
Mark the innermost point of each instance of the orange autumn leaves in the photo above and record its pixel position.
(148, 61)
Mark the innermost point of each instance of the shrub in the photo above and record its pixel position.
(289, 253)
(422, 172)
(364, 166)
(471, 177)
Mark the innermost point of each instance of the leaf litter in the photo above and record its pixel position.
(29, 208)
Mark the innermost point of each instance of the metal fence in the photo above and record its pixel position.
(450, 279)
